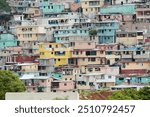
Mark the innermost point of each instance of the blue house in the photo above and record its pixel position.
(133, 80)
(7, 40)
(107, 31)
(62, 36)
(51, 8)
(122, 9)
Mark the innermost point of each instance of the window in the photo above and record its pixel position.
(123, 65)
(42, 81)
(93, 59)
(138, 52)
(140, 33)
(58, 59)
(132, 35)
(109, 77)
(123, 35)
(50, 46)
(70, 78)
(65, 84)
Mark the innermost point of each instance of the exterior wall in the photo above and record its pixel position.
(124, 1)
(95, 81)
(21, 59)
(62, 33)
(134, 80)
(119, 17)
(91, 6)
(68, 78)
(29, 33)
(110, 70)
(69, 86)
(47, 8)
(42, 96)
(134, 71)
(89, 61)
(84, 45)
(142, 13)
(107, 32)
(7, 40)
(63, 85)
(32, 12)
(123, 9)
(27, 67)
(53, 50)
(33, 85)
(136, 65)
(108, 46)
(125, 39)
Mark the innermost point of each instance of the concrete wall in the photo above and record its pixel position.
(42, 96)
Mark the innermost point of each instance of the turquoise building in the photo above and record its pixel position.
(57, 76)
(121, 9)
(51, 8)
(134, 80)
(61, 36)
(107, 31)
(7, 40)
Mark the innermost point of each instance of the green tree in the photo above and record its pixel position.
(92, 32)
(126, 94)
(4, 5)
(10, 82)
(144, 93)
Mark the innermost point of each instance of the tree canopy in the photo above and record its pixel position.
(4, 6)
(131, 94)
(9, 82)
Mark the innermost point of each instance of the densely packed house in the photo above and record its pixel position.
(70, 45)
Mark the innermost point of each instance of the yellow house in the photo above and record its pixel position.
(56, 51)
(91, 6)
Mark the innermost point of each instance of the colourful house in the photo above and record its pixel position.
(50, 8)
(135, 67)
(133, 80)
(55, 51)
(7, 40)
(123, 9)
(107, 31)
(37, 83)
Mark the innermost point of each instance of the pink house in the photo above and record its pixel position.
(62, 85)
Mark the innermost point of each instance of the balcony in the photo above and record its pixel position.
(112, 56)
(127, 56)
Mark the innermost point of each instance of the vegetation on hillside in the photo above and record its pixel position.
(126, 94)
(10, 82)
(131, 94)
(4, 6)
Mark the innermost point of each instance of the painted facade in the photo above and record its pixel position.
(55, 51)
(7, 40)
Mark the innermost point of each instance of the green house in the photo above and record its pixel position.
(122, 9)
(7, 40)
